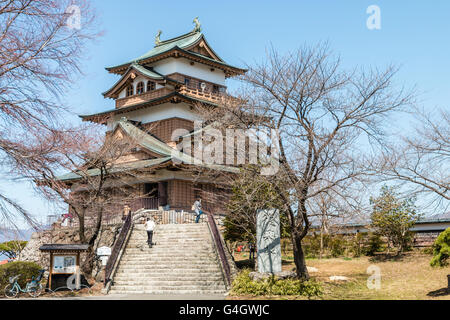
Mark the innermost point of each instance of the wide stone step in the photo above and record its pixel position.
(173, 232)
(165, 269)
(162, 247)
(170, 255)
(171, 239)
(162, 272)
(172, 242)
(173, 228)
(168, 259)
(169, 292)
(167, 264)
(168, 288)
(168, 282)
(144, 248)
(212, 276)
(204, 243)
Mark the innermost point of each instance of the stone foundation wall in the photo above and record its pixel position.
(107, 237)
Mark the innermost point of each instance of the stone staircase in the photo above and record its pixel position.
(182, 261)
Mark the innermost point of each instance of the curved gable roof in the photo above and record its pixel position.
(182, 43)
(144, 71)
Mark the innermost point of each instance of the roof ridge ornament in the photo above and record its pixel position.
(158, 38)
(198, 27)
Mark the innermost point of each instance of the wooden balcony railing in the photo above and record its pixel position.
(204, 95)
(140, 98)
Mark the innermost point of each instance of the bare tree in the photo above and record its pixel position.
(41, 43)
(90, 174)
(326, 120)
(422, 161)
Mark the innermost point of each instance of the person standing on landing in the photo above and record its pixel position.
(198, 209)
(149, 226)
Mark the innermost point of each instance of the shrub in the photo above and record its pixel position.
(337, 246)
(392, 217)
(374, 244)
(441, 249)
(244, 285)
(427, 250)
(286, 246)
(12, 249)
(357, 244)
(27, 270)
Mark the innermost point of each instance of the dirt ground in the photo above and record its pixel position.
(402, 278)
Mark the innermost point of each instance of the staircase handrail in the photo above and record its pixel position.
(219, 247)
(118, 248)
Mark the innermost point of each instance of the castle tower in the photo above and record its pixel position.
(156, 94)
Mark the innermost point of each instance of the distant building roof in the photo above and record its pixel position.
(361, 221)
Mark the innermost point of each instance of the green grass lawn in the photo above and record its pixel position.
(407, 277)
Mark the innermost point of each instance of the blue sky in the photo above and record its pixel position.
(413, 35)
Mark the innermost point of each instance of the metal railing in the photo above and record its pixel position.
(127, 225)
(171, 216)
(220, 248)
(145, 203)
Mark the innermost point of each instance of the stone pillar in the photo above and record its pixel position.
(268, 241)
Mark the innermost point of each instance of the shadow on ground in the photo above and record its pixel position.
(250, 264)
(245, 264)
(439, 293)
(386, 257)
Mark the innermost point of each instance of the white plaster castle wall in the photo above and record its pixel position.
(183, 66)
(156, 113)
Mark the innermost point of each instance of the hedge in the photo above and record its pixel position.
(27, 270)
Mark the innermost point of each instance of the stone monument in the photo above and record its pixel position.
(268, 241)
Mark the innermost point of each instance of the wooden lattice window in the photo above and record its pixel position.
(140, 88)
(151, 86)
(130, 90)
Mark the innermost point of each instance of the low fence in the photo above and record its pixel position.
(169, 217)
(148, 205)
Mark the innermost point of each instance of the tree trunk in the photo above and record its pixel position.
(88, 265)
(299, 257)
(81, 228)
(321, 241)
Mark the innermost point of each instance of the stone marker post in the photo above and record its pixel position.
(268, 241)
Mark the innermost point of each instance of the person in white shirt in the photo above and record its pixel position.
(149, 226)
(198, 209)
